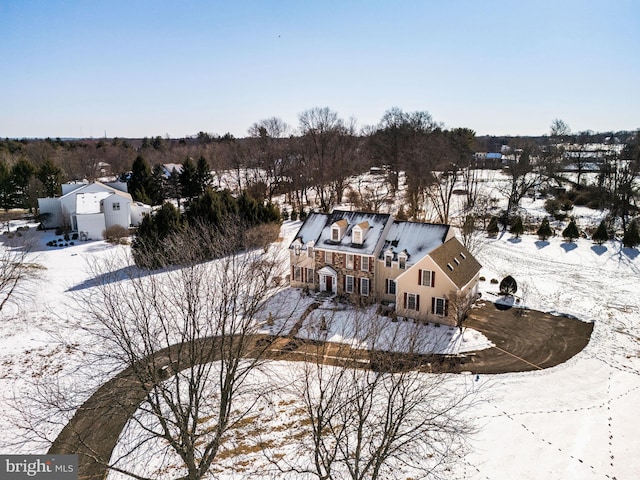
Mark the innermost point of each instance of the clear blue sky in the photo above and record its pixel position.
(145, 68)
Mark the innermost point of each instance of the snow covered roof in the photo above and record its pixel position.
(311, 228)
(170, 167)
(417, 239)
(97, 187)
(87, 203)
(317, 227)
(377, 223)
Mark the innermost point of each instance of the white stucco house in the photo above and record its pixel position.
(90, 208)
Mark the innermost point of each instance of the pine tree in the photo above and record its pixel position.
(140, 182)
(203, 174)
(50, 176)
(601, 235)
(631, 237)
(189, 186)
(158, 193)
(544, 232)
(517, 228)
(571, 232)
(508, 285)
(493, 228)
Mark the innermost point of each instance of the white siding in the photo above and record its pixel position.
(121, 215)
(92, 224)
(52, 207)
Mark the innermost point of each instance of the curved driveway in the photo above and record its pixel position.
(529, 342)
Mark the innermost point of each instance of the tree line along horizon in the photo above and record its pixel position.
(312, 169)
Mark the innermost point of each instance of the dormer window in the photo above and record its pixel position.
(402, 261)
(296, 249)
(338, 229)
(388, 258)
(358, 233)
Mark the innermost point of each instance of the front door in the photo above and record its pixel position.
(329, 283)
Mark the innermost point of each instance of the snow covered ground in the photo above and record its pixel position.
(577, 420)
(574, 421)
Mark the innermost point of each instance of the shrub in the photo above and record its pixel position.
(262, 235)
(517, 229)
(493, 228)
(571, 232)
(600, 235)
(544, 231)
(552, 206)
(116, 234)
(508, 285)
(631, 237)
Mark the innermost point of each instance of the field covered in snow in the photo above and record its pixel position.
(574, 421)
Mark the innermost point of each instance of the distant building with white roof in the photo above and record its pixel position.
(91, 208)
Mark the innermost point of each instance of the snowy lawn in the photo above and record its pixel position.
(574, 421)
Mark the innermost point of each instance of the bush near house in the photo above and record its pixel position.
(116, 234)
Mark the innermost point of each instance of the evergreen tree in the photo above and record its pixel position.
(601, 235)
(517, 228)
(140, 183)
(508, 285)
(173, 186)
(544, 232)
(248, 208)
(303, 214)
(147, 244)
(203, 174)
(492, 228)
(50, 176)
(294, 214)
(571, 232)
(158, 193)
(21, 174)
(207, 208)
(631, 237)
(7, 189)
(189, 186)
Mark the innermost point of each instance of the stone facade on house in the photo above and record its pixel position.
(373, 258)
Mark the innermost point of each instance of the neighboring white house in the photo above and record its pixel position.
(90, 208)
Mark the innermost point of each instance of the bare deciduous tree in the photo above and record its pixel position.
(16, 273)
(381, 418)
(185, 341)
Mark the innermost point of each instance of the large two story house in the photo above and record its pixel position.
(415, 268)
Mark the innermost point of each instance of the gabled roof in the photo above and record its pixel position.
(416, 239)
(456, 262)
(317, 227)
(103, 188)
